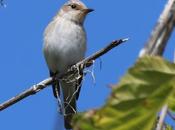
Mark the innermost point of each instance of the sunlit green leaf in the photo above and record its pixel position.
(136, 100)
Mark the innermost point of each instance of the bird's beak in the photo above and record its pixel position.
(86, 11)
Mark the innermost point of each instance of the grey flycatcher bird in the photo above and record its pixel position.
(64, 46)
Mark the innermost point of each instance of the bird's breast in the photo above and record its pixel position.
(64, 45)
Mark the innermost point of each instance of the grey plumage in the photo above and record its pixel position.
(64, 46)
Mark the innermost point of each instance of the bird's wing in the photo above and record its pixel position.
(55, 86)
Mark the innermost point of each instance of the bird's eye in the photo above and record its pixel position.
(73, 6)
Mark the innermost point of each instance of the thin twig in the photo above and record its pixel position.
(33, 90)
(101, 52)
(162, 118)
(87, 62)
(43, 84)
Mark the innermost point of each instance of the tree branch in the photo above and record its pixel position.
(43, 84)
(33, 90)
(162, 117)
(162, 31)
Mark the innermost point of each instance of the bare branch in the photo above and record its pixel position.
(33, 90)
(87, 62)
(101, 52)
(43, 84)
(162, 31)
(162, 118)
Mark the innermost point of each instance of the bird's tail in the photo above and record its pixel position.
(69, 94)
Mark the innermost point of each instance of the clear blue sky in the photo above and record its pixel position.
(22, 64)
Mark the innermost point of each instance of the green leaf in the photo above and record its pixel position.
(136, 100)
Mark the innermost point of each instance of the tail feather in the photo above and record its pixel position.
(69, 102)
(71, 92)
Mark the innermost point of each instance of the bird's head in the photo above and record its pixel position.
(74, 10)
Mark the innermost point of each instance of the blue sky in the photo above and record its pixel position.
(22, 63)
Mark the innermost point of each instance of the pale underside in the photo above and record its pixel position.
(64, 44)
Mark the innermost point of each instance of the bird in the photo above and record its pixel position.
(65, 45)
